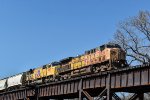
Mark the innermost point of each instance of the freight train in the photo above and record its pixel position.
(103, 58)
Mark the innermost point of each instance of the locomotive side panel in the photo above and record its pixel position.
(83, 60)
(106, 54)
(76, 63)
(38, 73)
(51, 71)
(44, 72)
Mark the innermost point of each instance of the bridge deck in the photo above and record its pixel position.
(134, 80)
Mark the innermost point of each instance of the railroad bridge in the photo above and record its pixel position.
(102, 85)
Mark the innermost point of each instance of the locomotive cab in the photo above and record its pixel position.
(116, 54)
(113, 52)
(51, 71)
(110, 56)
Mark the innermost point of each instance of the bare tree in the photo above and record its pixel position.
(133, 35)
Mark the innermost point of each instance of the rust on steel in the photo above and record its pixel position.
(133, 79)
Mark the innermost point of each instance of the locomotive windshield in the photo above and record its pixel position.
(109, 45)
(102, 47)
(112, 46)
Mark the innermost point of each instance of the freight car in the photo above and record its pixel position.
(12, 82)
(103, 58)
(43, 74)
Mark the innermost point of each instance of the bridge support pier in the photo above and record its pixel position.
(87, 95)
(82, 92)
(109, 94)
(107, 91)
(116, 97)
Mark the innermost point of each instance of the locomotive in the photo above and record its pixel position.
(106, 57)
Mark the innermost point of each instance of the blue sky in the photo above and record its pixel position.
(36, 32)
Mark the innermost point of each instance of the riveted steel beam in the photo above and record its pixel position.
(134, 97)
(87, 95)
(80, 89)
(140, 96)
(116, 97)
(109, 94)
(133, 80)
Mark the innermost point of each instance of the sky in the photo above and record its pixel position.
(37, 32)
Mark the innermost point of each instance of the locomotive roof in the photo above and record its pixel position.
(112, 45)
(102, 47)
(55, 63)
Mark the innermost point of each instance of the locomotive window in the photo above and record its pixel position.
(55, 63)
(117, 46)
(113, 46)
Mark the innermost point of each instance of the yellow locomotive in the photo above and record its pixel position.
(42, 74)
(103, 58)
(106, 57)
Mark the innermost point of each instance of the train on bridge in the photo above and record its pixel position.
(103, 58)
